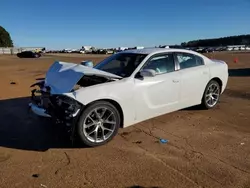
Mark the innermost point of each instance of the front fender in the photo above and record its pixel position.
(120, 92)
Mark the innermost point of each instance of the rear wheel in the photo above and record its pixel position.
(98, 124)
(211, 95)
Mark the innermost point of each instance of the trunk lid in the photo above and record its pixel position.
(63, 76)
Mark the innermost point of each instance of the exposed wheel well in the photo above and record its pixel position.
(116, 104)
(219, 81)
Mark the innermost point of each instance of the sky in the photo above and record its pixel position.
(58, 24)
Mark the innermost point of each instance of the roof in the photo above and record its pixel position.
(154, 50)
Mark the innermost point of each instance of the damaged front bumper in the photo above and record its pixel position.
(38, 110)
(60, 108)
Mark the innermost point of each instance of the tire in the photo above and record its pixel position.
(91, 124)
(207, 101)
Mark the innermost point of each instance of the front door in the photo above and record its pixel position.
(157, 95)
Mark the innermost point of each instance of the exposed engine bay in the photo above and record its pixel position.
(88, 80)
(60, 105)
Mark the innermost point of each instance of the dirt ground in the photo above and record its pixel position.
(205, 149)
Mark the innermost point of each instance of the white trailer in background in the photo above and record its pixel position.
(236, 47)
(122, 48)
(229, 48)
(86, 49)
(67, 50)
(139, 47)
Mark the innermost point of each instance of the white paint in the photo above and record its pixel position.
(157, 95)
(193, 83)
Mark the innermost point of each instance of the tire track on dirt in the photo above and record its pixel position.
(207, 155)
(160, 160)
(186, 151)
(68, 163)
(169, 167)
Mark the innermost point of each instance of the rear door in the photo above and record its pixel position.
(194, 76)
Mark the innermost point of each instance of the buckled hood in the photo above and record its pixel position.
(62, 76)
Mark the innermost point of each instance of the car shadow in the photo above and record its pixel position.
(21, 129)
(243, 72)
(38, 79)
(193, 108)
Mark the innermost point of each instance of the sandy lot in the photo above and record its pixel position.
(205, 148)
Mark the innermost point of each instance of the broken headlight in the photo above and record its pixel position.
(66, 103)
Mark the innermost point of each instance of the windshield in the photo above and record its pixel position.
(121, 64)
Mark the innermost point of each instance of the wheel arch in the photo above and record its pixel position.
(113, 102)
(217, 80)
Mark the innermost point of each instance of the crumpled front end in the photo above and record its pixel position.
(59, 107)
(49, 98)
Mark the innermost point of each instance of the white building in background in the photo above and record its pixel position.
(36, 49)
(15, 50)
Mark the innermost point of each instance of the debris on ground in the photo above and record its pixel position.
(43, 185)
(137, 142)
(163, 141)
(35, 175)
(12, 83)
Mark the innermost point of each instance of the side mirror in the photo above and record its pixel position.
(148, 73)
(87, 63)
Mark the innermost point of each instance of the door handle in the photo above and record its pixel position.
(175, 81)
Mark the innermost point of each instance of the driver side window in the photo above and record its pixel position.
(161, 63)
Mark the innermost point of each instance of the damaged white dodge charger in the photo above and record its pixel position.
(127, 88)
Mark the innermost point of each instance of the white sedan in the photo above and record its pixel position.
(126, 88)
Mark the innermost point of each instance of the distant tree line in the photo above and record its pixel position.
(224, 41)
(5, 39)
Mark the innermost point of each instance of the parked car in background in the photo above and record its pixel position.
(199, 50)
(127, 88)
(28, 54)
(207, 50)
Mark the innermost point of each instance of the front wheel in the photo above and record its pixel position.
(98, 124)
(211, 95)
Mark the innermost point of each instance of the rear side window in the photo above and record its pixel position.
(187, 60)
(199, 60)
